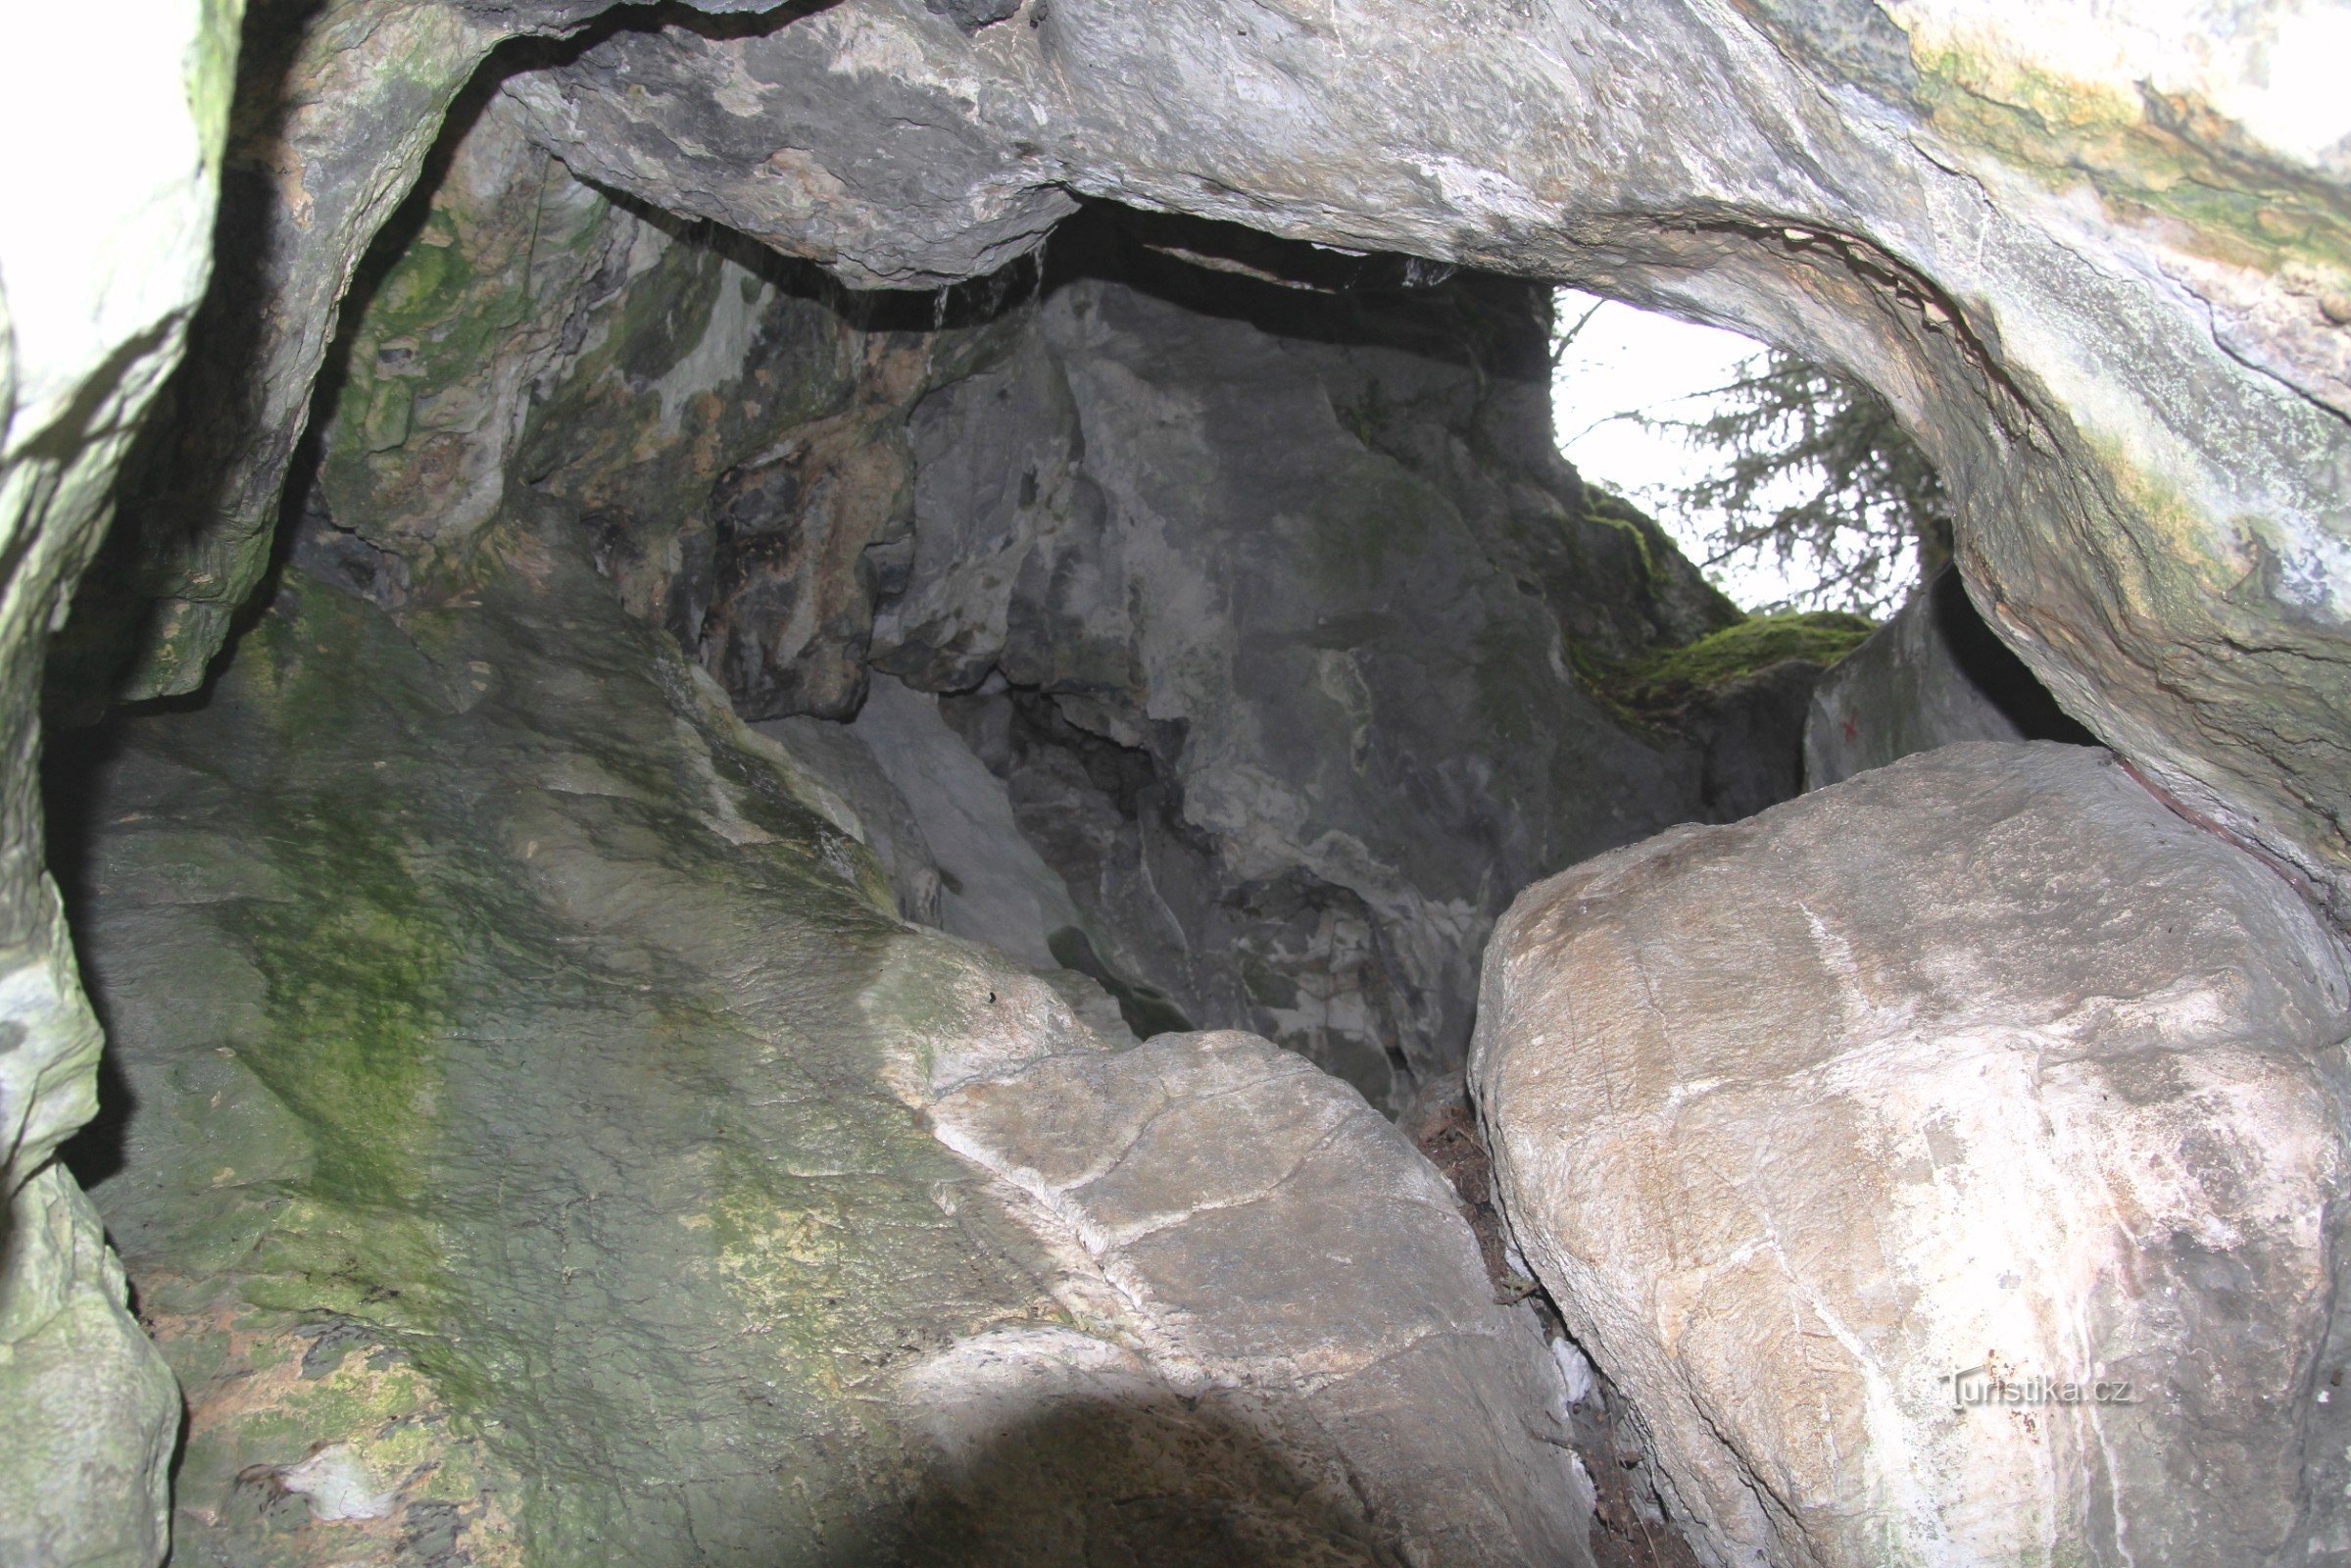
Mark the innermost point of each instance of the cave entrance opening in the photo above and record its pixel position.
(1794, 488)
(1239, 643)
(1207, 620)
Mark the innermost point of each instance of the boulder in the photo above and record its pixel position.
(1742, 692)
(1947, 1164)
(536, 1139)
(1933, 675)
(1269, 607)
(1272, 1236)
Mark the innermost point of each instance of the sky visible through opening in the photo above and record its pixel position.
(1626, 363)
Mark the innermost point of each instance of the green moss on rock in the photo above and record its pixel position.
(510, 1062)
(354, 966)
(1660, 686)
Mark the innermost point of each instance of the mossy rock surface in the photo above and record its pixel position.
(510, 1149)
(529, 1148)
(1739, 652)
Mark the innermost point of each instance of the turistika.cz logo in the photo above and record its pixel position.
(1992, 1383)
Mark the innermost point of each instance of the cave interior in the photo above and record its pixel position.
(853, 784)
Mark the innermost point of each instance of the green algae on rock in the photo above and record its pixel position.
(481, 966)
(531, 1145)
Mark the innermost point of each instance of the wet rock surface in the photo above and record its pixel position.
(536, 1141)
(1983, 1067)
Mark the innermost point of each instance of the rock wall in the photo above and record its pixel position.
(337, 104)
(2095, 260)
(1269, 607)
(2137, 398)
(392, 927)
(534, 1141)
(105, 199)
(1933, 675)
(1266, 597)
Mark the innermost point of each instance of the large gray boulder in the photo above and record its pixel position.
(1842, 1134)
(1269, 606)
(1293, 1266)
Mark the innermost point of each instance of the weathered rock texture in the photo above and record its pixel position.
(538, 1144)
(2097, 259)
(336, 105)
(454, 847)
(1270, 609)
(2100, 263)
(1982, 1060)
(1278, 1233)
(1933, 675)
(105, 199)
(2143, 498)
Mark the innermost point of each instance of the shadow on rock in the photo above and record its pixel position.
(1157, 1482)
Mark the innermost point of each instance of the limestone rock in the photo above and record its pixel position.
(1320, 1253)
(540, 1143)
(106, 197)
(883, 820)
(1742, 694)
(1267, 607)
(1189, 634)
(88, 1411)
(1933, 675)
(1996, 215)
(1980, 1066)
(1750, 737)
(337, 105)
(732, 435)
(2135, 391)
(996, 889)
